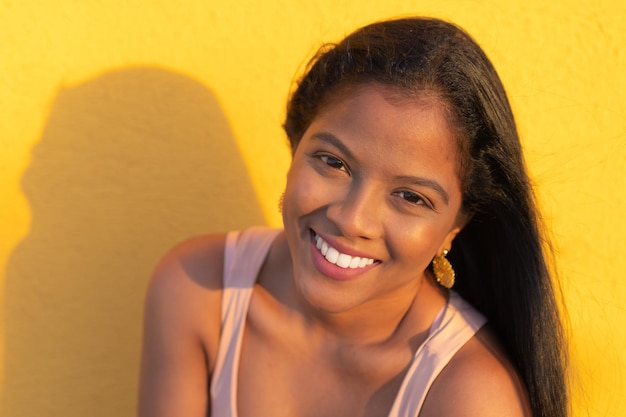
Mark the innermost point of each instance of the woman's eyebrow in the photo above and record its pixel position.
(333, 140)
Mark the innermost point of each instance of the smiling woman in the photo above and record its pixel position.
(374, 179)
(404, 149)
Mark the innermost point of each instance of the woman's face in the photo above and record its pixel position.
(372, 196)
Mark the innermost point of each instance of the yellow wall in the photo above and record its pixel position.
(128, 125)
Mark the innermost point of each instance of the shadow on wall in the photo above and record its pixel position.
(129, 164)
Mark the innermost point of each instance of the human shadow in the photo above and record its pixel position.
(129, 163)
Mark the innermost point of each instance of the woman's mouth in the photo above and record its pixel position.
(342, 260)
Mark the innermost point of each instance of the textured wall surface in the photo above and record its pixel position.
(128, 125)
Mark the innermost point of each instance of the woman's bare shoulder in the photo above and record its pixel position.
(186, 286)
(181, 328)
(198, 260)
(478, 381)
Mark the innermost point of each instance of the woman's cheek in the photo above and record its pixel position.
(305, 189)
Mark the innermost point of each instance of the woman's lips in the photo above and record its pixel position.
(338, 265)
(342, 260)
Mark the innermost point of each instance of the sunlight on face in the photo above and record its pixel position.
(373, 179)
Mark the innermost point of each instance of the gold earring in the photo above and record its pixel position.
(280, 203)
(443, 270)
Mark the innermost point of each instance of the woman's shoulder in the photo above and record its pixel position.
(193, 270)
(198, 260)
(181, 328)
(478, 381)
(186, 286)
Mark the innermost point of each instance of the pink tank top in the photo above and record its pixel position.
(245, 253)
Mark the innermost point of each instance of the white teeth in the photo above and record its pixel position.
(332, 255)
(324, 248)
(342, 260)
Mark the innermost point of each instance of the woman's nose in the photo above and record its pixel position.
(359, 212)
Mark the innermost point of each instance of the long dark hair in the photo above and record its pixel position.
(500, 255)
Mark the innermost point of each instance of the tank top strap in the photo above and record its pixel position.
(244, 254)
(455, 325)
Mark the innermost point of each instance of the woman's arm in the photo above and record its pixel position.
(181, 330)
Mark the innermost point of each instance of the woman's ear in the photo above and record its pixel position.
(447, 242)
(459, 223)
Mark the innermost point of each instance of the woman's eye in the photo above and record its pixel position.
(333, 162)
(412, 197)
